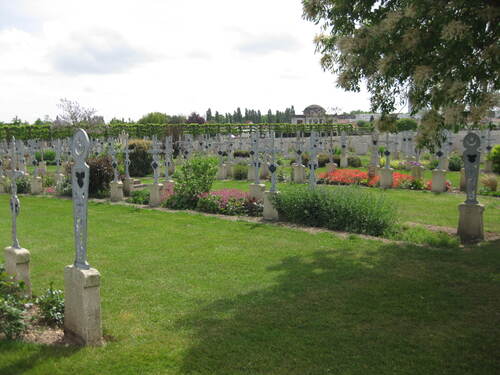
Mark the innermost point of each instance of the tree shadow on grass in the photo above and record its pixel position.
(393, 310)
(31, 355)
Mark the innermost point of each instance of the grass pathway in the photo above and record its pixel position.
(190, 294)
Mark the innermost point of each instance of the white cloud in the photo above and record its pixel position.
(264, 44)
(96, 52)
(129, 57)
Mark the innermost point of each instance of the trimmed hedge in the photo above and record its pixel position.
(346, 208)
(136, 130)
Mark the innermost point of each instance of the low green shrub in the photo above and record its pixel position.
(23, 185)
(140, 158)
(195, 177)
(51, 305)
(11, 306)
(433, 164)
(346, 208)
(64, 189)
(412, 184)
(241, 154)
(240, 171)
(48, 181)
(101, 175)
(455, 163)
(323, 159)
(49, 156)
(494, 156)
(354, 161)
(139, 197)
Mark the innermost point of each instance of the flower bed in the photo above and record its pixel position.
(347, 177)
(229, 202)
(358, 177)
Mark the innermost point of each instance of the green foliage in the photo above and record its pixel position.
(175, 128)
(229, 206)
(455, 163)
(405, 124)
(65, 189)
(48, 180)
(51, 305)
(412, 184)
(350, 208)
(140, 158)
(11, 306)
(323, 159)
(433, 164)
(139, 197)
(495, 158)
(49, 156)
(11, 319)
(354, 161)
(241, 154)
(196, 176)
(154, 118)
(101, 174)
(23, 185)
(445, 52)
(240, 171)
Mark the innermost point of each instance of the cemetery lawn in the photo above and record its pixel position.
(190, 294)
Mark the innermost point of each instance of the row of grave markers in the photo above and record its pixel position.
(82, 319)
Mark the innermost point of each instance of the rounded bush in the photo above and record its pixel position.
(354, 161)
(140, 158)
(48, 156)
(241, 154)
(101, 174)
(240, 172)
(455, 163)
(495, 158)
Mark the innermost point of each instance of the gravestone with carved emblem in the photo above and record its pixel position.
(470, 223)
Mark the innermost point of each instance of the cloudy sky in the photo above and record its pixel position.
(129, 57)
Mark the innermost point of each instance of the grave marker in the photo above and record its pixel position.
(17, 259)
(470, 224)
(82, 304)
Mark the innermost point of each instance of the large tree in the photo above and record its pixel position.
(442, 54)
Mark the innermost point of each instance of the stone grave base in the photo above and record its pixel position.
(299, 173)
(82, 306)
(222, 172)
(155, 195)
(251, 173)
(264, 172)
(257, 191)
(343, 161)
(470, 223)
(17, 264)
(42, 168)
(128, 186)
(116, 191)
(463, 183)
(417, 172)
(386, 178)
(36, 185)
(330, 167)
(229, 169)
(438, 181)
(270, 213)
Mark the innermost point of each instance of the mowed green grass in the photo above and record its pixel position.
(189, 294)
